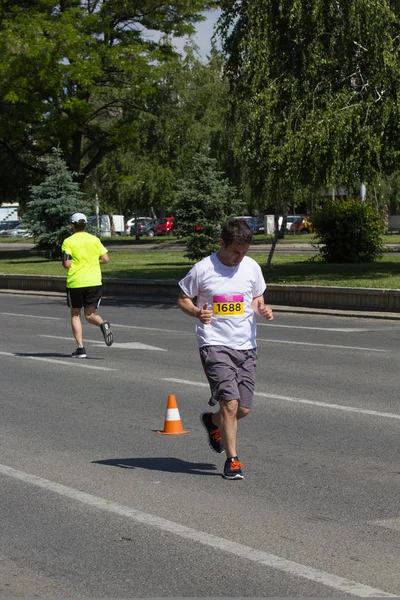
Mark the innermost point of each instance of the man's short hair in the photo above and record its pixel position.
(236, 230)
(79, 226)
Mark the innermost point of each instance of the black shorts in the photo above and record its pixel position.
(87, 296)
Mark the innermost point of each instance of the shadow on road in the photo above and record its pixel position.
(171, 465)
(50, 355)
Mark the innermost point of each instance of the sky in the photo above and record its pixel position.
(205, 30)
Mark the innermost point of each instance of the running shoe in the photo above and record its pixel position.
(79, 353)
(107, 333)
(214, 437)
(233, 468)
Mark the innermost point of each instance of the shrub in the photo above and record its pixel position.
(349, 231)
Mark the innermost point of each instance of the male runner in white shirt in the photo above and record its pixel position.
(229, 287)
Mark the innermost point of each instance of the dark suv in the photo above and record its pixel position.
(144, 228)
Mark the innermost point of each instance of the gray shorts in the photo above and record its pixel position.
(230, 373)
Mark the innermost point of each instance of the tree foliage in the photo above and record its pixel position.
(186, 115)
(349, 231)
(204, 200)
(53, 201)
(78, 73)
(315, 92)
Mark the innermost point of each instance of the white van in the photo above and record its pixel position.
(104, 224)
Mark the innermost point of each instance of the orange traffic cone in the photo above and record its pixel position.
(173, 423)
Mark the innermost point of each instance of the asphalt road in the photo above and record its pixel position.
(94, 503)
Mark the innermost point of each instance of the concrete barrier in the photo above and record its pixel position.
(335, 298)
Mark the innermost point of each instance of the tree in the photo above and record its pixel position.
(186, 116)
(204, 200)
(315, 93)
(52, 203)
(77, 73)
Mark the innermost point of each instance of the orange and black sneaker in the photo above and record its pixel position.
(214, 437)
(233, 468)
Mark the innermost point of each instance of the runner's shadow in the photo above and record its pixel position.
(171, 465)
(50, 355)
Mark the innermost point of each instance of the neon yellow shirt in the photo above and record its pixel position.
(85, 249)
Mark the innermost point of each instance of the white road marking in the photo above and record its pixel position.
(388, 523)
(339, 329)
(364, 411)
(134, 346)
(29, 316)
(124, 345)
(259, 557)
(157, 329)
(73, 362)
(321, 345)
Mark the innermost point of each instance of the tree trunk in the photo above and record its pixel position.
(277, 233)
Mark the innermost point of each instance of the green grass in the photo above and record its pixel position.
(258, 239)
(291, 269)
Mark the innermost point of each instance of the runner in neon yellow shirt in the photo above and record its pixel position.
(82, 255)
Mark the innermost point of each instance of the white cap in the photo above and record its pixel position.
(76, 217)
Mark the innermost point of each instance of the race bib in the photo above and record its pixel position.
(228, 306)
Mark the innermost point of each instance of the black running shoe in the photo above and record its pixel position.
(79, 353)
(214, 438)
(233, 468)
(107, 333)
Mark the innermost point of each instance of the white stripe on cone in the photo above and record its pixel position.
(172, 415)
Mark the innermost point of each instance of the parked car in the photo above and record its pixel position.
(7, 225)
(251, 221)
(260, 225)
(297, 224)
(166, 226)
(144, 228)
(132, 220)
(19, 231)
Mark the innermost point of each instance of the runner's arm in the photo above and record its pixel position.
(104, 258)
(261, 309)
(66, 260)
(189, 308)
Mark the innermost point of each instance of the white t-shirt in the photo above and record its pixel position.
(229, 291)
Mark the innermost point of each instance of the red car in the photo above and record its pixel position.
(166, 226)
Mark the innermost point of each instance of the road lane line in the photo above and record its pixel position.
(338, 329)
(260, 557)
(122, 345)
(29, 316)
(156, 329)
(393, 524)
(321, 345)
(364, 411)
(69, 363)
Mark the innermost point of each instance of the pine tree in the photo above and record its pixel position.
(204, 200)
(51, 205)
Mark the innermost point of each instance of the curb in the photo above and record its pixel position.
(354, 302)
